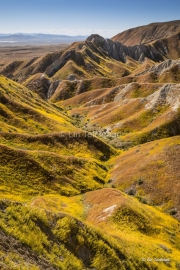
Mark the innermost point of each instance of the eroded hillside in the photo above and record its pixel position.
(90, 154)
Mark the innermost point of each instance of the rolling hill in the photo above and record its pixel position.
(89, 155)
(148, 33)
(94, 57)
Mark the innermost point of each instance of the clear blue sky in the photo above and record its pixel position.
(83, 17)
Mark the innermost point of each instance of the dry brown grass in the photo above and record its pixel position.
(147, 33)
(151, 171)
(97, 201)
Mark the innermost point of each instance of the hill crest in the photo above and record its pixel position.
(148, 33)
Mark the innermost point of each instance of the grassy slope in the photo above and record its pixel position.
(134, 113)
(66, 162)
(63, 242)
(151, 173)
(116, 231)
(71, 233)
(24, 112)
(61, 163)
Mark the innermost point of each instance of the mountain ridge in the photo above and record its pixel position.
(90, 150)
(148, 33)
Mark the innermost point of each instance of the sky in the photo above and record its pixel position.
(83, 17)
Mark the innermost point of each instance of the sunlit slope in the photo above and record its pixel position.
(23, 111)
(151, 173)
(148, 33)
(133, 230)
(37, 239)
(66, 161)
(128, 114)
(91, 206)
(84, 60)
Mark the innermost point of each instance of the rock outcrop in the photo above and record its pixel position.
(119, 52)
(162, 67)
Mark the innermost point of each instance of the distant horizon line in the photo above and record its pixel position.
(41, 33)
(85, 35)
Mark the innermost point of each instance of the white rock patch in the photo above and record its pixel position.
(107, 212)
(110, 209)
